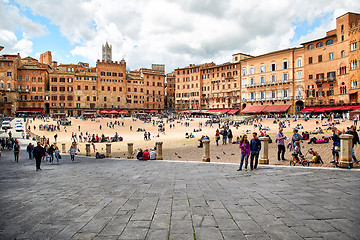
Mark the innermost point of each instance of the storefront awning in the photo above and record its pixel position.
(276, 108)
(233, 111)
(253, 109)
(29, 110)
(150, 111)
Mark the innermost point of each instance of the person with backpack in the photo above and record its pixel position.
(16, 151)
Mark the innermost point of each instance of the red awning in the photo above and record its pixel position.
(122, 111)
(150, 111)
(307, 110)
(104, 111)
(30, 110)
(113, 111)
(233, 111)
(276, 108)
(253, 109)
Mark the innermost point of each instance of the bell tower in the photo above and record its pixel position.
(107, 52)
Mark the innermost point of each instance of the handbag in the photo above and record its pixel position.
(59, 156)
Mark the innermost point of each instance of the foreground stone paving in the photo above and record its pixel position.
(130, 199)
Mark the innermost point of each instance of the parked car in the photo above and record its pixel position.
(5, 125)
(19, 128)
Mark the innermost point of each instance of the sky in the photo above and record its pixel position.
(171, 32)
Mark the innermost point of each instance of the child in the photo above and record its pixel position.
(245, 152)
(297, 150)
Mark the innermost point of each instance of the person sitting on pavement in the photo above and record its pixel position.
(146, 155)
(139, 155)
(152, 154)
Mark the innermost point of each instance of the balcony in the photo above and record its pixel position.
(328, 79)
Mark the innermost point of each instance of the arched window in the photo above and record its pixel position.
(342, 53)
(320, 44)
(311, 46)
(329, 42)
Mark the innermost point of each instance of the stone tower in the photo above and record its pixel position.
(106, 52)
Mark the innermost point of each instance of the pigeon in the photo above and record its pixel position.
(175, 153)
(224, 153)
(178, 156)
(218, 157)
(233, 154)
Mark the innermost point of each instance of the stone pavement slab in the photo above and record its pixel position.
(129, 199)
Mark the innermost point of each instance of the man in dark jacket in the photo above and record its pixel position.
(255, 146)
(29, 150)
(38, 153)
(355, 141)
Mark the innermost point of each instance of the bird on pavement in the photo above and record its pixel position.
(218, 157)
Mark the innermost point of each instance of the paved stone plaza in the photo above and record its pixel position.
(130, 199)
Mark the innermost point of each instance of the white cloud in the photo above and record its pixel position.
(179, 32)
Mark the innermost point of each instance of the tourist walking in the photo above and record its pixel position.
(72, 152)
(245, 152)
(16, 151)
(280, 140)
(50, 151)
(57, 154)
(55, 137)
(38, 153)
(29, 150)
(255, 146)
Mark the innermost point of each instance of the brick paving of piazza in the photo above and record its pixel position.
(130, 199)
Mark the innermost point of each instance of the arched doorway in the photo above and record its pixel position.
(299, 105)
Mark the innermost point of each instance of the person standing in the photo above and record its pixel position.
(355, 141)
(217, 137)
(280, 140)
(255, 146)
(245, 152)
(29, 150)
(336, 145)
(55, 137)
(224, 134)
(16, 151)
(72, 152)
(230, 136)
(38, 153)
(296, 137)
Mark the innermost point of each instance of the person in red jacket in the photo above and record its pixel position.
(146, 155)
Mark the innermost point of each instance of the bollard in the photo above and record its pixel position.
(108, 150)
(264, 151)
(130, 151)
(87, 149)
(345, 158)
(206, 147)
(159, 150)
(63, 148)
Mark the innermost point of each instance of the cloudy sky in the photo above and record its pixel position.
(170, 32)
